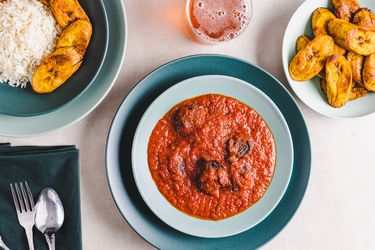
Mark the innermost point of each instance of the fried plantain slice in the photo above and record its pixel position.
(55, 69)
(67, 11)
(339, 80)
(345, 9)
(352, 37)
(46, 2)
(357, 92)
(319, 21)
(337, 50)
(323, 86)
(77, 35)
(311, 59)
(368, 74)
(356, 63)
(301, 42)
(365, 19)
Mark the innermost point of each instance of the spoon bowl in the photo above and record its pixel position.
(49, 215)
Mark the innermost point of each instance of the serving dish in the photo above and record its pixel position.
(25, 102)
(245, 93)
(91, 97)
(119, 144)
(309, 91)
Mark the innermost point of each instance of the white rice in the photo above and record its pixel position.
(28, 32)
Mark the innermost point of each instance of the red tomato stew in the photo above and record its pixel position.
(212, 156)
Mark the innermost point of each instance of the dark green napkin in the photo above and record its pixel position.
(41, 167)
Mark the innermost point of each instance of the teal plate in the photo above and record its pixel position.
(90, 98)
(25, 102)
(118, 155)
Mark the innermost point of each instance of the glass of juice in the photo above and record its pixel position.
(214, 21)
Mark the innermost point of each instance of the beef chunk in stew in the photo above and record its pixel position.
(213, 176)
(188, 118)
(238, 147)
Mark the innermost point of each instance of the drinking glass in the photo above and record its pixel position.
(216, 21)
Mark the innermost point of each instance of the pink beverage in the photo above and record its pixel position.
(219, 20)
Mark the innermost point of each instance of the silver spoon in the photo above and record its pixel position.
(49, 215)
(2, 244)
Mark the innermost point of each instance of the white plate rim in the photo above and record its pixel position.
(141, 189)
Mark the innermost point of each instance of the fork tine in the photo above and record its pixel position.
(30, 195)
(25, 199)
(15, 199)
(19, 198)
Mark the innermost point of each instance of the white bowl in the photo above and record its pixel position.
(244, 92)
(309, 91)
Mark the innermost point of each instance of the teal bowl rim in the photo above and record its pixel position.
(103, 57)
(21, 132)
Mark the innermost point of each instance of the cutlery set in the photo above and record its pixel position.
(47, 214)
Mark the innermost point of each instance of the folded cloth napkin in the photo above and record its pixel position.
(56, 167)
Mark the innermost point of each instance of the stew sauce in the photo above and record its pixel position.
(212, 156)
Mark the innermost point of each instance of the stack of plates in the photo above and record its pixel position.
(135, 194)
(24, 113)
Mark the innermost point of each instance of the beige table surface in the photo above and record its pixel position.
(338, 211)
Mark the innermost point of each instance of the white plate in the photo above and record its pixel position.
(244, 92)
(309, 92)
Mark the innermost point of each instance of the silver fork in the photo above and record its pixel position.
(24, 203)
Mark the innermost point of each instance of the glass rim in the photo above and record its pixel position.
(211, 40)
